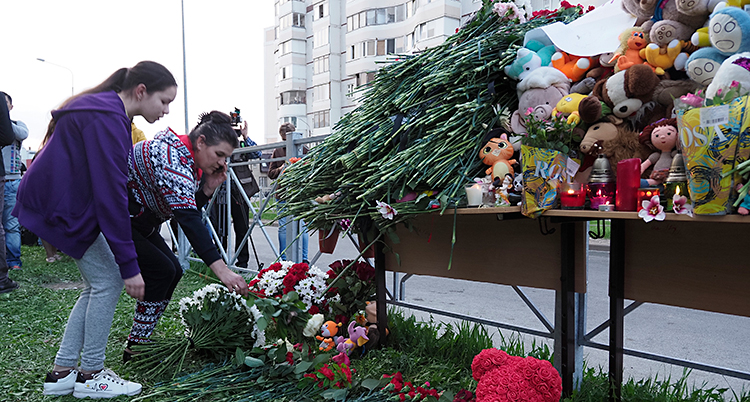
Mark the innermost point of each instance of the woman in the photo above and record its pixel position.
(163, 183)
(74, 196)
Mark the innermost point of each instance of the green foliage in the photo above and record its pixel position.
(284, 318)
(553, 133)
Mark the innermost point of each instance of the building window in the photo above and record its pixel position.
(320, 11)
(321, 92)
(292, 20)
(284, 72)
(288, 119)
(320, 65)
(322, 119)
(320, 38)
(350, 90)
(293, 98)
(285, 47)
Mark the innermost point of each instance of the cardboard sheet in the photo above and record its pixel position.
(592, 34)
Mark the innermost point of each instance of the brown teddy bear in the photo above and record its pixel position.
(666, 20)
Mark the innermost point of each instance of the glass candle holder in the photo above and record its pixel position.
(601, 193)
(572, 196)
(645, 194)
(672, 188)
(473, 195)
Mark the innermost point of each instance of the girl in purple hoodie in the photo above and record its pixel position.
(74, 196)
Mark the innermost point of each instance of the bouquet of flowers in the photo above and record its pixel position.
(407, 391)
(329, 375)
(285, 276)
(216, 321)
(554, 133)
(349, 292)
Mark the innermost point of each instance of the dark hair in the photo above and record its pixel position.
(216, 127)
(286, 128)
(7, 96)
(153, 75)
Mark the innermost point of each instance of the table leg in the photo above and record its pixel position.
(567, 306)
(616, 300)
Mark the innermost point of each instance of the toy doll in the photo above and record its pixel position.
(661, 137)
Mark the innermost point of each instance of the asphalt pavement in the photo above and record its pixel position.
(709, 338)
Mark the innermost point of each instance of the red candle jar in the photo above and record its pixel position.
(645, 194)
(628, 181)
(572, 195)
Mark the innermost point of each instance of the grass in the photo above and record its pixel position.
(33, 318)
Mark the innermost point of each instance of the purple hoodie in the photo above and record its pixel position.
(76, 187)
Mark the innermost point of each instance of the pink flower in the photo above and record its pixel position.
(529, 111)
(386, 210)
(734, 84)
(718, 91)
(341, 359)
(681, 206)
(692, 100)
(652, 210)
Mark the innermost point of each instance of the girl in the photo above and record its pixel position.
(74, 196)
(163, 178)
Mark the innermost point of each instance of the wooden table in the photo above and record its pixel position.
(495, 245)
(681, 261)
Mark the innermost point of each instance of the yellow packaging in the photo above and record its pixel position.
(709, 138)
(543, 170)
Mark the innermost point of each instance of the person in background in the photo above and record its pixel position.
(163, 183)
(239, 208)
(137, 133)
(12, 159)
(6, 138)
(75, 196)
(274, 171)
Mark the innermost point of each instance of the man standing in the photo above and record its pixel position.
(6, 138)
(12, 159)
(274, 171)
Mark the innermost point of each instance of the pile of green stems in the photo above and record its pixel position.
(450, 95)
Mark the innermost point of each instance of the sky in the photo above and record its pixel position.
(94, 38)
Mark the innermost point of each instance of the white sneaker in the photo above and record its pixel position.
(60, 386)
(105, 384)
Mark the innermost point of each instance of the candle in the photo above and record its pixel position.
(606, 207)
(645, 194)
(628, 181)
(675, 188)
(601, 193)
(474, 195)
(572, 196)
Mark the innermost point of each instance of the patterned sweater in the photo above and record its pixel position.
(163, 181)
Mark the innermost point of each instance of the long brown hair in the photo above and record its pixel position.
(153, 75)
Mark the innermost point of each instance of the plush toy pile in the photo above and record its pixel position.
(676, 48)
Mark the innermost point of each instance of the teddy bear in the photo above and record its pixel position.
(498, 373)
(733, 71)
(632, 40)
(665, 20)
(625, 92)
(533, 55)
(538, 94)
(662, 60)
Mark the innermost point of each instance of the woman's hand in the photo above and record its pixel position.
(212, 181)
(233, 281)
(135, 287)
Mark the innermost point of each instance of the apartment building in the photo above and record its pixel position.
(319, 51)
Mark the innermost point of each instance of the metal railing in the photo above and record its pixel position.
(257, 204)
